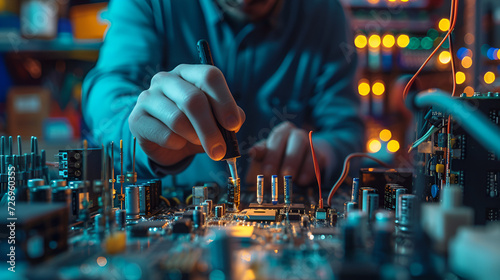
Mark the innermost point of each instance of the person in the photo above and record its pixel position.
(282, 68)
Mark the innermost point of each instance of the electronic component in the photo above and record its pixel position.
(260, 189)
(259, 215)
(287, 179)
(132, 207)
(233, 194)
(200, 194)
(274, 189)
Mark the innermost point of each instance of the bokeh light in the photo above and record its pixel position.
(393, 146)
(378, 88)
(445, 57)
(385, 135)
(444, 24)
(374, 41)
(374, 146)
(489, 77)
(469, 91)
(388, 41)
(403, 40)
(466, 62)
(363, 87)
(360, 41)
(460, 77)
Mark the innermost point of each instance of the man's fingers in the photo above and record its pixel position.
(211, 81)
(275, 148)
(152, 130)
(163, 109)
(194, 104)
(295, 152)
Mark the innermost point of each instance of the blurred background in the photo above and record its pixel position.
(48, 46)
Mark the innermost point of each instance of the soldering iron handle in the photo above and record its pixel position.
(232, 148)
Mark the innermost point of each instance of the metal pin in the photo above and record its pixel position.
(112, 179)
(32, 144)
(36, 145)
(2, 148)
(19, 145)
(133, 159)
(10, 145)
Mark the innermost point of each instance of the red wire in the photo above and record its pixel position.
(345, 171)
(316, 169)
(454, 5)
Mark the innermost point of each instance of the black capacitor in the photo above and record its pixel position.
(218, 211)
(232, 148)
(145, 199)
(41, 194)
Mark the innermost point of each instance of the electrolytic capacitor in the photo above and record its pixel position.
(274, 189)
(372, 205)
(132, 206)
(120, 218)
(355, 190)
(204, 208)
(288, 189)
(210, 206)
(399, 192)
(41, 194)
(260, 189)
(349, 206)
(406, 211)
(364, 197)
(218, 211)
(197, 217)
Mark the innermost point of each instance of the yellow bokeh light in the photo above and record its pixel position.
(489, 77)
(385, 135)
(388, 41)
(374, 41)
(404, 0)
(444, 24)
(374, 146)
(469, 91)
(378, 88)
(393, 146)
(444, 57)
(363, 87)
(466, 62)
(360, 41)
(460, 77)
(403, 40)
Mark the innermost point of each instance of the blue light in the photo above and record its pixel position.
(462, 52)
(491, 53)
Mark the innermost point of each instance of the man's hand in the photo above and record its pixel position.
(176, 117)
(287, 152)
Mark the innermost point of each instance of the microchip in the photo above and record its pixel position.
(258, 215)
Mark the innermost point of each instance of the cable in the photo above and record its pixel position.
(479, 126)
(454, 6)
(419, 141)
(345, 171)
(316, 169)
(166, 201)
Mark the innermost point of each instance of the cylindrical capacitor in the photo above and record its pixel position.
(274, 189)
(399, 192)
(132, 202)
(33, 183)
(204, 207)
(120, 218)
(349, 206)
(210, 206)
(41, 194)
(218, 211)
(99, 224)
(355, 190)
(145, 199)
(288, 189)
(364, 197)
(406, 211)
(260, 189)
(372, 205)
(197, 217)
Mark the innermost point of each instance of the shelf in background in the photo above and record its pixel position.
(17, 44)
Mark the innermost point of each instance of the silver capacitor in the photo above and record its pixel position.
(260, 189)
(132, 206)
(204, 206)
(364, 197)
(274, 189)
(218, 211)
(349, 206)
(406, 211)
(372, 205)
(288, 189)
(397, 209)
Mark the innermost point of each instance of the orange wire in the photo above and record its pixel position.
(454, 5)
(453, 19)
(345, 171)
(316, 169)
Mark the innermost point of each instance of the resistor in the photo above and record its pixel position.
(288, 189)
(274, 189)
(260, 189)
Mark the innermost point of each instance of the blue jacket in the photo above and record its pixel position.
(298, 66)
